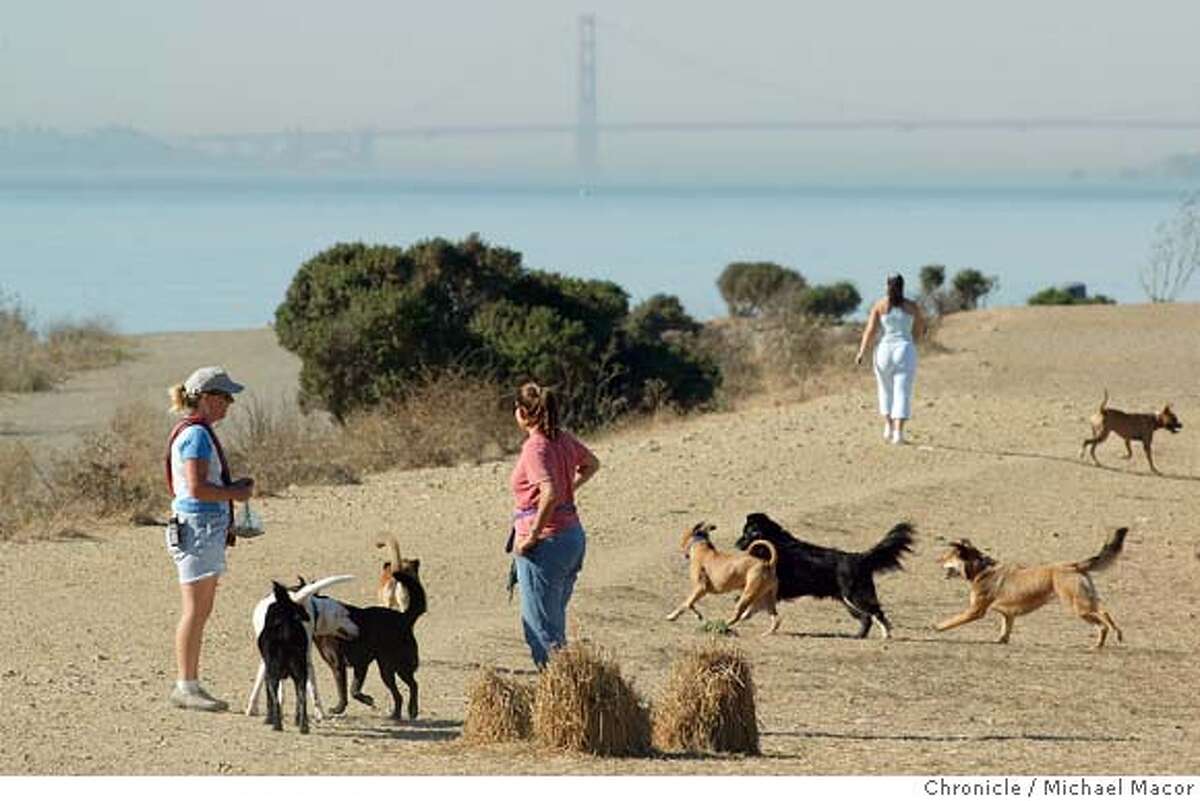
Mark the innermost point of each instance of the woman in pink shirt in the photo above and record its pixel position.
(549, 541)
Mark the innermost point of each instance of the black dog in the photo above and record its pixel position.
(283, 644)
(384, 636)
(805, 569)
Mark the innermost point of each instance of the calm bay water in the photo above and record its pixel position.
(197, 255)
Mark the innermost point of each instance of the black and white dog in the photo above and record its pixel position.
(283, 644)
(326, 616)
(816, 571)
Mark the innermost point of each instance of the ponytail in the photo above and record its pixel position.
(895, 290)
(539, 405)
(180, 402)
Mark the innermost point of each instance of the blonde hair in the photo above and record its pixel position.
(540, 406)
(180, 400)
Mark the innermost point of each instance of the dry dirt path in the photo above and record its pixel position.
(88, 623)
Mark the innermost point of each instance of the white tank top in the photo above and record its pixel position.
(897, 325)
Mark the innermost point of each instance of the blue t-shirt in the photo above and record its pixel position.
(194, 443)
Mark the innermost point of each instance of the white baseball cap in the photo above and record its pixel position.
(210, 379)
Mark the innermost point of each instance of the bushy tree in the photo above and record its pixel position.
(367, 321)
(971, 287)
(747, 287)
(829, 301)
(932, 277)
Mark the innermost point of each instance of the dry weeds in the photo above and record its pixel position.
(499, 710)
(582, 703)
(708, 704)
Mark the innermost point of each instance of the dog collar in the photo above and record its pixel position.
(695, 539)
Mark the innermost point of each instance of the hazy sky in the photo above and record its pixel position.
(253, 65)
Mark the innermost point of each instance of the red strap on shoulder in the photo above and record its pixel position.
(178, 429)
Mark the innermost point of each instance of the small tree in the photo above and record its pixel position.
(1174, 254)
(972, 286)
(831, 302)
(933, 277)
(747, 287)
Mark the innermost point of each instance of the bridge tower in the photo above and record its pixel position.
(586, 138)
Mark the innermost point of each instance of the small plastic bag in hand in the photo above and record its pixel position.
(247, 524)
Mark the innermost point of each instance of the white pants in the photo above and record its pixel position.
(895, 369)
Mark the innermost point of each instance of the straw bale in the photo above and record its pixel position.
(581, 703)
(707, 704)
(498, 709)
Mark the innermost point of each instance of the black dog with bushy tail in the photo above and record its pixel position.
(816, 571)
(385, 636)
(283, 644)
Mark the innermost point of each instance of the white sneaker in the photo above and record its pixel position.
(898, 437)
(196, 699)
(887, 433)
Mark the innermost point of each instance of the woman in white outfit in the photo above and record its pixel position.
(895, 355)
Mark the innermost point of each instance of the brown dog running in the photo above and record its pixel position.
(714, 572)
(1014, 590)
(391, 593)
(1129, 427)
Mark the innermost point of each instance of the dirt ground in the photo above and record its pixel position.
(87, 624)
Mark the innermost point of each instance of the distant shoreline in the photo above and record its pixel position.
(573, 184)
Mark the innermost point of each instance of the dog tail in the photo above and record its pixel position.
(1108, 554)
(312, 589)
(770, 546)
(1104, 403)
(393, 548)
(888, 552)
(416, 595)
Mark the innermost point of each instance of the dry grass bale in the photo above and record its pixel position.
(498, 710)
(581, 703)
(708, 704)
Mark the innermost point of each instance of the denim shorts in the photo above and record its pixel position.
(201, 551)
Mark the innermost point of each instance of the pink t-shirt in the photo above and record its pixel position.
(541, 459)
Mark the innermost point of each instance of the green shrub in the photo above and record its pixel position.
(1054, 296)
(747, 287)
(830, 302)
(369, 321)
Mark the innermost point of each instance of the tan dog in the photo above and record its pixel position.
(715, 572)
(391, 592)
(1014, 590)
(1129, 427)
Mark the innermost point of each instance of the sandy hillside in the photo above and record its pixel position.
(87, 625)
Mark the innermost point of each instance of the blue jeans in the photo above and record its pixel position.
(547, 578)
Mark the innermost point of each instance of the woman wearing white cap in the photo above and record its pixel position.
(202, 506)
(895, 355)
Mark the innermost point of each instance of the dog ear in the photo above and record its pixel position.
(710, 527)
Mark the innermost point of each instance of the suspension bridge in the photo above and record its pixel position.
(359, 147)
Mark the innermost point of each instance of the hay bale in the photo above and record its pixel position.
(581, 703)
(498, 710)
(708, 704)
